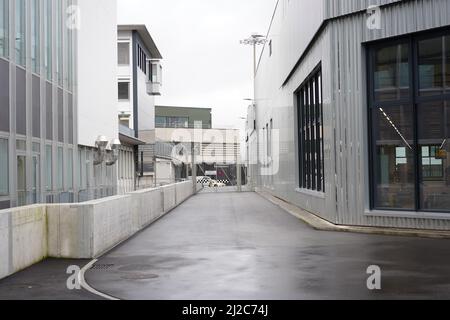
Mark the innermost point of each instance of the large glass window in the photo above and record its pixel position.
(49, 167)
(393, 152)
(70, 169)
(59, 41)
(48, 38)
(60, 177)
(4, 167)
(35, 176)
(434, 139)
(21, 181)
(161, 122)
(20, 32)
(172, 122)
(35, 35)
(4, 28)
(431, 68)
(69, 50)
(310, 133)
(391, 74)
(178, 122)
(410, 129)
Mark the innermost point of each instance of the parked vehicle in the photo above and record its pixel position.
(216, 184)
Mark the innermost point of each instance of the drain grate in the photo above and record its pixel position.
(102, 266)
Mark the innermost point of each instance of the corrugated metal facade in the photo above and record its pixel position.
(339, 47)
(336, 8)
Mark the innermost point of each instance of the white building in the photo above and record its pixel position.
(138, 77)
(359, 97)
(181, 130)
(96, 87)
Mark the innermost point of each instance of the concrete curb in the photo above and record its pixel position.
(324, 225)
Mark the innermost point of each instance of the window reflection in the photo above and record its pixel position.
(411, 138)
(21, 181)
(430, 66)
(392, 73)
(434, 136)
(20, 32)
(4, 28)
(394, 157)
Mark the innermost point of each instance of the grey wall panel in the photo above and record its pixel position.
(21, 102)
(336, 8)
(4, 95)
(36, 107)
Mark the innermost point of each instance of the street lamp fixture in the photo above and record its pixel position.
(254, 40)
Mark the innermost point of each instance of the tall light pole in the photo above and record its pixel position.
(254, 40)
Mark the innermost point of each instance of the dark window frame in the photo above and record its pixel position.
(309, 101)
(414, 100)
(128, 85)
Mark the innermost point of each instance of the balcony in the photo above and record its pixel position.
(153, 89)
(154, 82)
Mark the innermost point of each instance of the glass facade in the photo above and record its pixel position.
(20, 39)
(48, 38)
(21, 181)
(35, 35)
(391, 78)
(4, 28)
(59, 41)
(60, 169)
(393, 139)
(69, 170)
(172, 122)
(410, 124)
(35, 176)
(49, 167)
(35, 38)
(69, 51)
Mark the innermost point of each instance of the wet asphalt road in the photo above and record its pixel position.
(230, 246)
(44, 281)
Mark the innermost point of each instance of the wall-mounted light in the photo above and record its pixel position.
(113, 156)
(101, 143)
(106, 151)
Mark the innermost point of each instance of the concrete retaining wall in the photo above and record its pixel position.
(81, 230)
(23, 238)
(169, 196)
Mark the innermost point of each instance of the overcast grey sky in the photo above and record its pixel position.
(204, 64)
